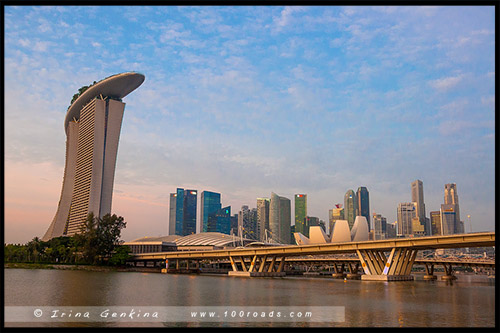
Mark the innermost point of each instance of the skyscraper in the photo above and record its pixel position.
(450, 194)
(300, 212)
(335, 214)
(435, 218)
(350, 207)
(262, 217)
(247, 222)
(243, 220)
(363, 204)
(220, 221)
(179, 211)
(451, 198)
(280, 219)
(417, 196)
(185, 216)
(379, 226)
(171, 215)
(92, 125)
(391, 230)
(234, 225)
(313, 221)
(448, 217)
(210, 204)
(252, 232)
(406, 212)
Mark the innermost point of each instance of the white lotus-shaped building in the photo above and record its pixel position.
(339, 234)
(300, 239)
(317, 235)
(359, 231)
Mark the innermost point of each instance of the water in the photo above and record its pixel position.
(467, 302)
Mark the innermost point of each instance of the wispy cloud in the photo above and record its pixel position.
(446, 83)
(285, 16)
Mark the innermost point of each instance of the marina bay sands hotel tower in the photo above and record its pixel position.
(92, 125)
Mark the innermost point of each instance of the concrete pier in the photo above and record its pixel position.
(338, 275)
(256, 274)
(387, 277)
(353, 276)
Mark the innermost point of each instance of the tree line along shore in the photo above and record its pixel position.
(96, 247)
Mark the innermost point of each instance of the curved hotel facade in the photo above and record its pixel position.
(92, 124)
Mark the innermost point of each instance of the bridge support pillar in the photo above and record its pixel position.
(338, 271)
(396, 267)
(448, 269)
(429, 270)
(353, 272)
(257, 267)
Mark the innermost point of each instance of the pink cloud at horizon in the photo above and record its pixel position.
(32, 193)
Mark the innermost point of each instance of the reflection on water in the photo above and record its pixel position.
(469, 301)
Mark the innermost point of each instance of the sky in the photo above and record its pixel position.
(246, 101)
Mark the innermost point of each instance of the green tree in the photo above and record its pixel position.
(49, 252)
(33, 249)
(61, 253)
(95, 243)
(108, 233)
(81, 90)
(87, 239)
(14, 253)
(120, 255)
(30, 247)
(99, 236)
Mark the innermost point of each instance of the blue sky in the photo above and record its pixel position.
(248, 100)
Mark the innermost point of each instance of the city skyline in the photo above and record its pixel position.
(246, 101)
(406, 225)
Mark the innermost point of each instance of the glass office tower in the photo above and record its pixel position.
(210, 204)
(300, 213)
(220, 221)
(262, 217)
(280, 219)
(172, 211)
(185, 217)
(179, 211)
(350, 207)
(363, 204)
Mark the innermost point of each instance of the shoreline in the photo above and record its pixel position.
(92, 268)
(95, 268)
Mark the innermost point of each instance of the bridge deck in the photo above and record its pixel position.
(432, 242)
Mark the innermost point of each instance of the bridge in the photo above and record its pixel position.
(387, 260)
(348, 267)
